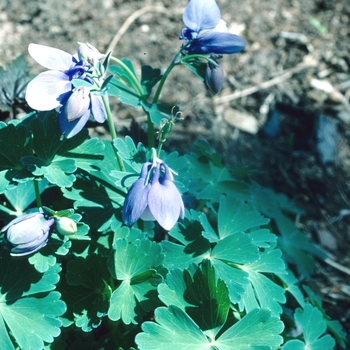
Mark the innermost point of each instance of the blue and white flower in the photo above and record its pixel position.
(154, 196)
(54, 88)
(28, 233)
(206, 32)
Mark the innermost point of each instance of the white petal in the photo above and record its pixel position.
(50, 57)
(45, 91)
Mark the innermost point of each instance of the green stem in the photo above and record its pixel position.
(7, 210)
(160, 145)
(112, 130)
(138, 87)
(150, 131)
(156, 98)
(131, 75)
(174, 63)
(37, 194)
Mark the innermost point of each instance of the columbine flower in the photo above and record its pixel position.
(206, 32)
(53, 88)
(154, 196)
(27, 234)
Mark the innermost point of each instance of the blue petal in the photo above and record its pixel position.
(70, 129)
(217, 42)
(164, 200)
(201, 14)
(98, 110)
(78, 103)
(214, 78)
(20, 219)
(136, 200)
(28, 233)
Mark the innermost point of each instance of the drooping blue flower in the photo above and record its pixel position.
(54, 88)
(154, 196)
(28, 233)
(206, 32)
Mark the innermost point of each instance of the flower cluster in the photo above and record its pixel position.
(28, 233)
(206, 32)
(154, 196)
(54, 88)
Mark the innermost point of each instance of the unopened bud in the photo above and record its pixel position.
(77, 104)
(89, 53)
(165, 129)
(214, 78)
(66, 226)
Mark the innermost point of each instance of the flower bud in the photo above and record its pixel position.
(214, 78)
(27, 234)
(66, 226)
(89, 53)
(77, 104)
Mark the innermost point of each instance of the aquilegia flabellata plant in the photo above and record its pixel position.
(157, 249)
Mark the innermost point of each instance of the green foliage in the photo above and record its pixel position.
(258, 329)
(29, 307)
(135, 264)
(226, 276)
(313, 326)
(13, 81)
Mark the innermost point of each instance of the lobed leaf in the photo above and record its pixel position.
(268, 294)
(15, 143)
(313, 325)
(204, 297)
(257, 330)
(91, 298)
(134, 263)
(173, 327)
(27, 306)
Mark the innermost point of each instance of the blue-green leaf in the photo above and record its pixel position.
(135, 264)
(126, 94)
(313, 325)
(149, 77)
(23, 195)
(27, 306)
(236, 216)
(173, 327)
(92, 300)
(132, 155)
(15, 143)
(204, 297)
(268, 294)
(257, 330)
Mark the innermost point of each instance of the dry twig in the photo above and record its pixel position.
(132, 18)
(337, 266)
(308, 62)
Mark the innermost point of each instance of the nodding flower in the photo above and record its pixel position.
(28, 233)
(154, 196)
